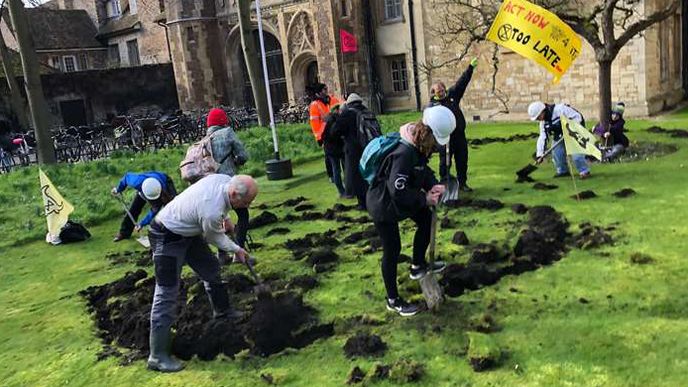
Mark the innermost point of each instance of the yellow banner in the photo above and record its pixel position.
(536, 34)
(57, 209)
(579, 140)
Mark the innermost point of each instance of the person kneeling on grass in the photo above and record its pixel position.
(405, 187)
(614, 135)
(550, 129)
(154, 188)
(180, 234)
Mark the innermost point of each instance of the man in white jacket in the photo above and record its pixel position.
(550, 129)
(180, 234)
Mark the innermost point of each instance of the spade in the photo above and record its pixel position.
(524, 173)
(262, 290)
(428, 284)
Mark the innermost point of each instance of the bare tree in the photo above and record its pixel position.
(598, 22)
(251, 56)
(32, 80)
(16, 100)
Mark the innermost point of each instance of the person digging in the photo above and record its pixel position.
(154, 188)
(550, 130)
(180, 234)
(405, 187)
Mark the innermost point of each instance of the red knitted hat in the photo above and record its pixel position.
(217, 117)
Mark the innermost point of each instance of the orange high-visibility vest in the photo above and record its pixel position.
(318, 112)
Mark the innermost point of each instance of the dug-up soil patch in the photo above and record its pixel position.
(481, 204)
(544, 241)
(676, 133)
(624, 193)
(592, 236)
(503, 140)
(137, 258)
(265, 218)
(585, 195)
(643, 151)
(364, 344)
(400, 372)
(121, 312)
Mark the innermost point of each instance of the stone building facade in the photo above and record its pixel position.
(303, 46)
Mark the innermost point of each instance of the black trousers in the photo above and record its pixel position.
(458, 150)
(241, 229)
(391, 245)
(353, 181)
(127, 226)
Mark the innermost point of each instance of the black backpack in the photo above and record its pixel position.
(368, 127)
(73, 232)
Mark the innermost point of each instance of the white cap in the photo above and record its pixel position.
(442, 122)
(151, 188)
(353, 97)
(534, 110)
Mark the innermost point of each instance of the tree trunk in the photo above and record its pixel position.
(34, 90)
(251, 57)
(16, 99)
(605, 91)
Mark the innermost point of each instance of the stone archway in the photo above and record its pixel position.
(304, 72)
(239, 88)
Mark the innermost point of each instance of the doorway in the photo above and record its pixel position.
(73, 112)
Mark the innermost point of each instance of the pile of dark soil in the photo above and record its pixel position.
(304, 207)
(303, 282)
(322, 255)
(591, 236)
(137, 258)
(364, 344)
(643, 151)
(339, 207)
(263, 219)
(121, 312)
(356, 375)
(358, 236)
(329, 214)
(641, 259)
(519, 208)
(487, 204)
(291, 202)
(278, 231)
(460, 238)
(678, 133)
(624, 193)
(490, 140)
(302, 247)
(447, 222)
(584, 195)
(544, 187)
(541, 243)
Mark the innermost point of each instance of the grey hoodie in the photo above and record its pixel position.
(226, 145)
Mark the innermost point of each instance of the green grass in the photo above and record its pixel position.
(633, 331)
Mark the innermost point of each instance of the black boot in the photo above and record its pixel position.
(219, 301)
(160, 358)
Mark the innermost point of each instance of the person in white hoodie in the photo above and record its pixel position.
(550, 129)
(180, 234)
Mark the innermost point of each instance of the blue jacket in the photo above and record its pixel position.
(135, 180)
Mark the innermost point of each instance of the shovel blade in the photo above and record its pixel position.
(432, 291)
(451, 194)
(143, 240)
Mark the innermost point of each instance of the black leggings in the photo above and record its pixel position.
(241, 226)
(391, 245)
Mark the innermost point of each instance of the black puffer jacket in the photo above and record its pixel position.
(399, 190)
(453, 99)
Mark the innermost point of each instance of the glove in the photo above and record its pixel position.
(474, 62)
(138, 228)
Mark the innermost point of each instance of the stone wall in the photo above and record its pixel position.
(109, 92)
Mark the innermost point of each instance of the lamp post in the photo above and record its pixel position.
(276, 169)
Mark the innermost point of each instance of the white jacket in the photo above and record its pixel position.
(201, 210)
(560, 109)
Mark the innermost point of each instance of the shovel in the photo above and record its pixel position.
(451, 194)
(524, 173)
(143, 240)
(262, 290)
(431, 288)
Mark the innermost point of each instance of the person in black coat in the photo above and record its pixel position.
(347, 128)
(458, 145)
(333, 146)
(405, 188)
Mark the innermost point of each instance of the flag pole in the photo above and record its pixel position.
(573, 179)
(266, 78)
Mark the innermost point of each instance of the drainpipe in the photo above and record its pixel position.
(167, 39)
(414, 54)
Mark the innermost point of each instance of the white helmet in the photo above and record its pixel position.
(442, 122)
(534, 110)
(151, 188)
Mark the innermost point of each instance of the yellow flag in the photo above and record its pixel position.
(536, 34)
(579, 140)
(57, 209)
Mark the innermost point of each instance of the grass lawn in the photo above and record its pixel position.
(591, 319)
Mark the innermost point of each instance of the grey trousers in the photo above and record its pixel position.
(170, 252)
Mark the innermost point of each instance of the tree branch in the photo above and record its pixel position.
(644, 24)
